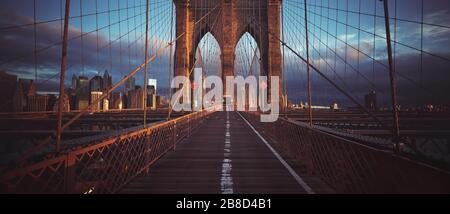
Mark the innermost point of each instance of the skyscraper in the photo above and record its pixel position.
(96, 84)
(151, 97)
(8, 84)
(152, 84)
(82, 92)
(135, 100)
(371, 101)
(37, 103)
(130, 84)
(72, 95)
(25, 88)
(107, 81)
(105, 105)
(116, 101)
(74, 82)
(66, 103)
(96, 106)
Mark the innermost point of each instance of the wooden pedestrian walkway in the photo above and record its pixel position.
(224, 156)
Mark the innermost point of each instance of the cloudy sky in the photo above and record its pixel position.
(347, 43)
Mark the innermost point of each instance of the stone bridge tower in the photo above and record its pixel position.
(228, 21)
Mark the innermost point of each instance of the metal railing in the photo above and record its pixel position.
(352, 164)
(106, 166)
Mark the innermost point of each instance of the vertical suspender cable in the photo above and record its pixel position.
(110, 51)
(61, 78)
(35, 42)
(359, 37)
(97, 34)
(421, 46)
(120, 41)
(144, 96)
(392, 76)
(170, 64)
(285, 101)
(374, 50)
(308, 73)
(81, 39)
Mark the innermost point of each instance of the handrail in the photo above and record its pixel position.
(351, 164)
(102, 167)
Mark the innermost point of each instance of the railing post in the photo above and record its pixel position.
(169, 110)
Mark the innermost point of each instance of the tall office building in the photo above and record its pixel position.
(37, 103)
(116, 101)
(96, 83)
(25, 88)
(151, 96)
(52, 101)
(105, 105)
(153, 84)
(8, 84)
(130, 84)
(72, 95)
(135, 100)
(107, 81)
(74, 82)
(371, 101)
(151, 93)
(66, 104)
(125, 101)
(96, 106)
(82, 92)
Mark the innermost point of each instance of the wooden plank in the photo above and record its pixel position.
(197, 164)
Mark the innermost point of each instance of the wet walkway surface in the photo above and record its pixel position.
(225, 156)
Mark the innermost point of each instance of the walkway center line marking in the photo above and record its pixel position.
(226, 181)
(299, 180)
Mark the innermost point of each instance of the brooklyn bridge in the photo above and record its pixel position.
(88, 96)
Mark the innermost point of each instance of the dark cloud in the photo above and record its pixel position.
(419, 82)
(18, 45)
(416, 85)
